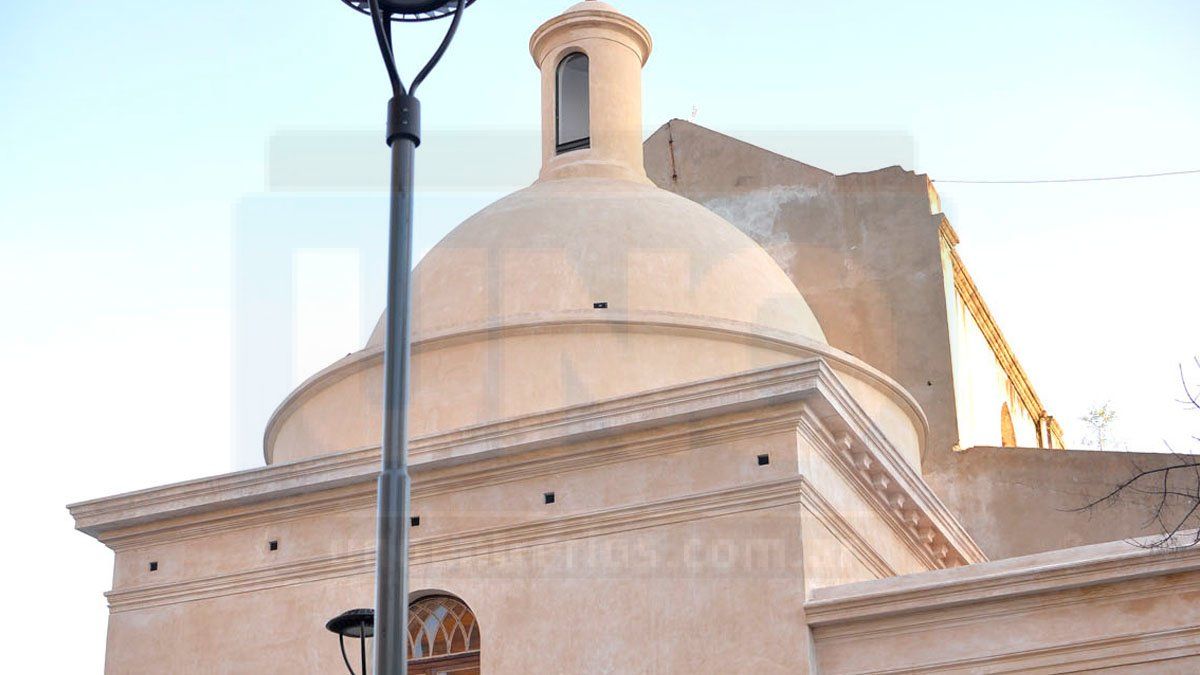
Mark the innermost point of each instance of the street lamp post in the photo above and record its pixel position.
(403, 135)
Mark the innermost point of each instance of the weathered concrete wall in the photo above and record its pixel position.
(863, 249)
(1016, 501)
(880, 272)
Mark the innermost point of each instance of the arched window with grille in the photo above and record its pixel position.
(443, 637)
(572, 115)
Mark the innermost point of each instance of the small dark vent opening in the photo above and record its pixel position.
(415, 521)
(548, 497)
(764, 460)
(599, 305)
(154, 567)
(273, 545)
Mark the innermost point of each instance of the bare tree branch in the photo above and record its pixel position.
(1174, 488)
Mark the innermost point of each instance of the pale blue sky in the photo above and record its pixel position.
(133, 134)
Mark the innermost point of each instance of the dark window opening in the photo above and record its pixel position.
(599, 305)
(572, 117)
(154, 567)
(273, 545)
(548, 497)
(415, 521)
(764, 460)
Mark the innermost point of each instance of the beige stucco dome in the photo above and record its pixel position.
(506, 321)
(589, 285)
(549, 253)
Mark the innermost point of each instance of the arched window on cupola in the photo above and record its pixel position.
(443, 637)
(572, 118)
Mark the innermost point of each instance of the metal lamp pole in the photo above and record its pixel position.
(403, 135)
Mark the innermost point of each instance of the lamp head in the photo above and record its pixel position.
(355, 623)
(410, 10)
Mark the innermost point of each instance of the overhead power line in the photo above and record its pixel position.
(1070, 180)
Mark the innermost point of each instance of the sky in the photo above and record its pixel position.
(150, 154)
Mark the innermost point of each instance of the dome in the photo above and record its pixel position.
(591, 6)
(590, 285)
(553, 252)
(566, 293)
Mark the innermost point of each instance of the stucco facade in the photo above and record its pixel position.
(686, 407)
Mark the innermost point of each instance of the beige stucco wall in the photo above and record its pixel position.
(672, 542)
(665, 600)
(671, 538)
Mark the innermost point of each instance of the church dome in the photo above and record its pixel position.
(590, 285)
(595, 250)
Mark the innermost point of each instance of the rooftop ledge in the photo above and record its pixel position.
(806, 390)
(1006, 579)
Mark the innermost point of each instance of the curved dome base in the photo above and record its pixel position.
(495, 373)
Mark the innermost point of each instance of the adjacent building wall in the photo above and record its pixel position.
(1016, 501)
(994, 399)
(875, 260)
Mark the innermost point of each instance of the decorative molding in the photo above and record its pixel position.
(650, 412)
(893, 495)
(990, 611)
(826, 514)
(601, 522)
(626, 322)
(640, 42)
(428, 482)
(1006, 580)
(643, 412)
(190, 498)
(612, 431)
(965, 286)
(840, 414)
(1083, 655)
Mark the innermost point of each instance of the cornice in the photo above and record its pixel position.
(992, 611)
(1007, 580)
(361, 493)
(426, 550)
(593, 423)
(1134, 648)
(597, 22)
(900, 497)
(807, 393)
(657, 322)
